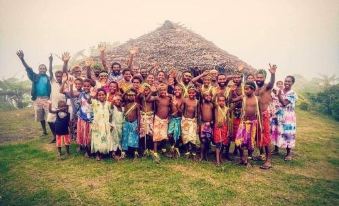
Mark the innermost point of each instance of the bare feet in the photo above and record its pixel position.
(267, 165)
(288, 157)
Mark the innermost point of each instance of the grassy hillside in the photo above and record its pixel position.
(30, 174)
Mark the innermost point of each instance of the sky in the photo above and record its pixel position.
(300, 36)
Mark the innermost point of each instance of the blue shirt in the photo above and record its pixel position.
(41, 86)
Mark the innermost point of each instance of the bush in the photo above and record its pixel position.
(304, 106)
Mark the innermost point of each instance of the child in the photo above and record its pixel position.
(174, 127)
(117, 119)
(61, 126)
(220, 137)
(189, 122)
(130, 136)
(162, 102)
(73, 95)
(206, 108)
(146, 120)
(113, 90)
(85, 117)
(247, 131)
(100, 127)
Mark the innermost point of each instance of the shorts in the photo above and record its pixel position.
(41, 108)
(63, 138)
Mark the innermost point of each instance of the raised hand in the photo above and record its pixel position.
(102, 47)
(64, 77)
(93, 92)
(133, 50)
(71, 80)
(206, 72)
(153, 89)
(273, 68)
(20, 54)
(65, 57)
(240, 67)
(88, 62)
(50, 58)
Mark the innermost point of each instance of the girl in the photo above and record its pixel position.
(100, 127)
(117, 120)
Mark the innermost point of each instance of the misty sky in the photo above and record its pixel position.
(300, 36)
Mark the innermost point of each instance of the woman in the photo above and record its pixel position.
(287, 98)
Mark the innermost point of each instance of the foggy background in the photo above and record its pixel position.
(300, 36)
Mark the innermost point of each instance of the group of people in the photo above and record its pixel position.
(138, 112)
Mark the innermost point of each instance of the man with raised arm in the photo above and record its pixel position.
(41, 90)
(263, 92)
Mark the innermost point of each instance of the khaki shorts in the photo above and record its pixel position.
(41, 108)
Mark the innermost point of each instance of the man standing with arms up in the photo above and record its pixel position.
(41, 90)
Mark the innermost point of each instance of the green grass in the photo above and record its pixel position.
(30, 174)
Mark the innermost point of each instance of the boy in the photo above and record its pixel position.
(174, 127)
(206, 108)
(189, 125)
(61, 126)
(220, 137)
(162, 102)
(146, 119)
(248, 127)
(130, 136)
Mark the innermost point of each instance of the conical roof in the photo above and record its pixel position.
(174, 46)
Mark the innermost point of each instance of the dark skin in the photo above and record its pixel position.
(146, 104)
(206, 108)
(162, 102)
(134, 114)
(190, 105)
(177, 102)
(263, 90)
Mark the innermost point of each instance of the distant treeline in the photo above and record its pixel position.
(319, 94)
(14, 93)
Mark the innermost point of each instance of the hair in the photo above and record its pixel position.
(279, 81)
(79, 79)
(113, 82)
(292, 78)
(221, 74)
(103, 71)
(116, 63)
(126, 70)
(251, 85)
(262, 71)
(138, 78)
(87, 80)
(220, 95)
(76, 67)
(186, 71)
(101, 90)
(56, 72)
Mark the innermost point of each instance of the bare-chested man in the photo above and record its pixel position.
(263, 92)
